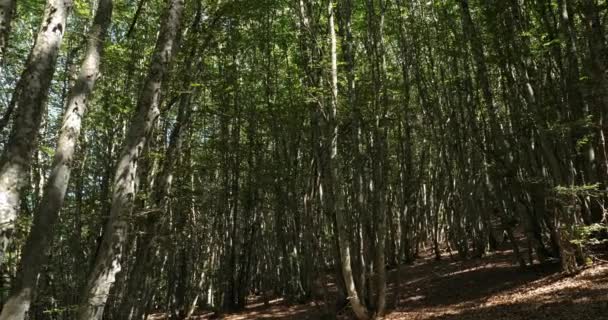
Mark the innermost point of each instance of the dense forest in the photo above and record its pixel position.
(171, 156)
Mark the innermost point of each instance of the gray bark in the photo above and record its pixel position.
(29, 101)
(375, 15)
(39, 239)
(343, 241)
(144, 258)
(476, 47)
(108, 260)
(7, 11)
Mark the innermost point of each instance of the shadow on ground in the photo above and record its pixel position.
(437, 283)
(497, 290)
(492, 288)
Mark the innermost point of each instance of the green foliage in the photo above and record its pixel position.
(23, 224)
(552, 42)
(582, 142)
(448, 120)
(82, 8)
(592, 190)
(49, 151)
(595, 234)
(58, 312)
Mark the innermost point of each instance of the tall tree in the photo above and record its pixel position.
(108, 261)
(35, 251)
(332, 183)
(29, 101)
(302, 138)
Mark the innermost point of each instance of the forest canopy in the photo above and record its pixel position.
(178, 155)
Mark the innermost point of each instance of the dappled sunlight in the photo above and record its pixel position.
(277, 312)
(303, 159)
(491, 288)
(477, 268)
(277, 309)
(460, 288)
(551, 296)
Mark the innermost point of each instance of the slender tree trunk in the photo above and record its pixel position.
(162, 187)
(39, 239)
(7, 11)
(107, 263)
(343, 239)
(598, 52)
(477, 49)
(132, 303)
(29, 101)
(379, 148)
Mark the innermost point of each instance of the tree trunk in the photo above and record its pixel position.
(477, 49)
(598, 52)
(343, 240)
(29, 101)
(375, 50)
(145, 250)
(7, 11)
(107, 263)
(39, 239)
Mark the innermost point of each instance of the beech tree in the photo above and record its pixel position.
(38, 242)
(7, 10)
(29, 101)
(108, 259)
(178, 156)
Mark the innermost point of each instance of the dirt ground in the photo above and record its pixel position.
(491, 288)
(494, 288)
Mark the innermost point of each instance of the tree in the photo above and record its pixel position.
(288, 143)
(7, 10)
(332, 183)
(108, 259)
(34, 252)
(29, 100)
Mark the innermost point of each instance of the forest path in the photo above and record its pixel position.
(491, 288)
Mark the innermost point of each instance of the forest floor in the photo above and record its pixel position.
(491, 288)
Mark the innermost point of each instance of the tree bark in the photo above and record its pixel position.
(39, 239)
(162, 187)
(7, 11)
(477, 49)
(133, 303)
(332, 130)
(29, 101)
(107, 263)
(375, 50)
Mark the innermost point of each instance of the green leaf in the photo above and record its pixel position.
(82, 8)
(47, 150)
